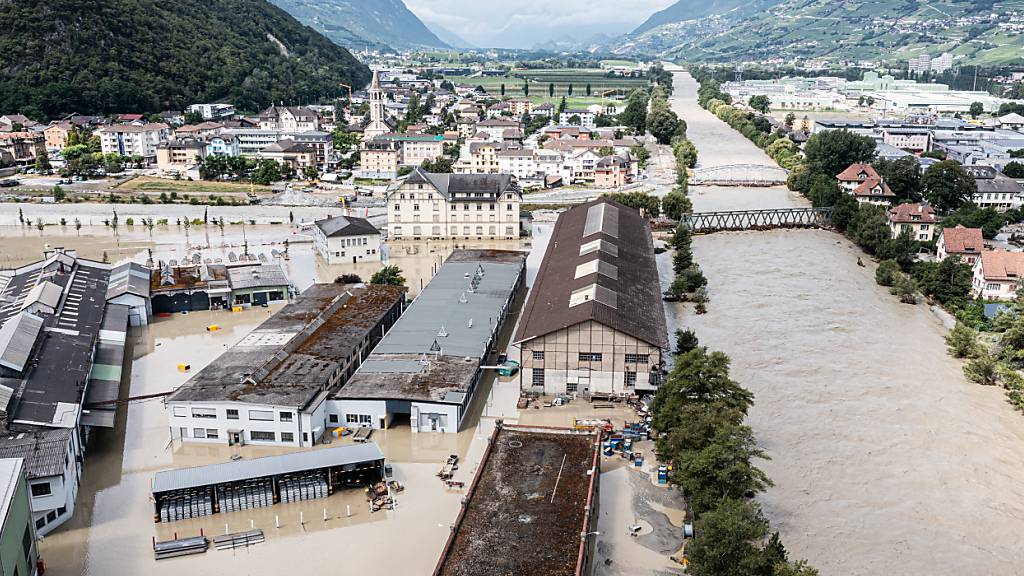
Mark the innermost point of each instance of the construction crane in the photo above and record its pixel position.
(603, 95)
(343, 85)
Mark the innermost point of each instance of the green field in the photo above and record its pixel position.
(540, 81)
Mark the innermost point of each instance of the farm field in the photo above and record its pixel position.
(149, 184)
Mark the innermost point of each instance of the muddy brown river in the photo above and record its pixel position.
(885, 459)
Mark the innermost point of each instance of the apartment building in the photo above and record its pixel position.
(134, 139)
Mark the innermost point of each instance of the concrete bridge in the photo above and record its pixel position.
(708, 222)
(739, 175)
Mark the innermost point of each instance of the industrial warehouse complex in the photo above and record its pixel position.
(594, 322)
(429, 365)
(273, 386)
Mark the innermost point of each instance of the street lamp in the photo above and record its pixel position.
(583, 535)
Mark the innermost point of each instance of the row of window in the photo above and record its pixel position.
(537, 377)
(596, 357)
(254, 435)
(416, 207)
(466, 231)
(232, 414)
(369, 251)
(50, 517)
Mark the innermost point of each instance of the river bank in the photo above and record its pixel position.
(885, 459)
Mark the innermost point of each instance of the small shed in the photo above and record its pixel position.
(129, 286)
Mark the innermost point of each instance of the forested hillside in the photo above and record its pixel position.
(109, 56)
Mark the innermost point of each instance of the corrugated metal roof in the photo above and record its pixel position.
(128, 278)
(264, 275)
(346, 226)
(46, 293)
(44, 451)
(17, 336)
(180, 479)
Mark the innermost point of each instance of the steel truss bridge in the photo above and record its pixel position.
(708, 222)
(739, 175)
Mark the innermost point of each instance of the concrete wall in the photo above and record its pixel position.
(180, 415)
(350, 411)
(562, 365)
(429, 417)
(348, 249)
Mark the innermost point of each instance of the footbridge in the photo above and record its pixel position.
(769, 219)
(739, 175)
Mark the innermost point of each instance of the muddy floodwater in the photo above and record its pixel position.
(885, 459)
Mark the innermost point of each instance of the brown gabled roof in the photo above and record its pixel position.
(962, 240)
(857, 172)
(1002, 265)
(873, 187)
(912, 214)
(628, 291)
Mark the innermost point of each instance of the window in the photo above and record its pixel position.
(590, 357)
(183, 432)
(204, 412)
(572, 386)
(365, 419)
(630, 379)
(212, 433)
(991, 286)
(538, 377)
(538, 355)
(286, 416)
(180, 412)
(199, 432)
(287, 437)
(261, 415)
(232, 414)
(40, 523)
(40, 490)
(637, 358)
(260, 436)
(351, 419)
(332, 418)
(26, 543)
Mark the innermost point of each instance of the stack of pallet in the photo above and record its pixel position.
(245, 495)
(186, 504)
(306, 486)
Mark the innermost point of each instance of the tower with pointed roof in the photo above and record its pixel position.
(378, 124)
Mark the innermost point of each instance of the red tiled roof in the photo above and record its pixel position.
(867, 188)
(912, 213)
(853, 173)
(962, 240)
(1002, 265)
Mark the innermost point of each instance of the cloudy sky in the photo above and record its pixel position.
(524, 23)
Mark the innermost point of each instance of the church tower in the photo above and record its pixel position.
(377, 126)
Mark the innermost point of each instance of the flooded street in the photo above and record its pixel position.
(885, 459)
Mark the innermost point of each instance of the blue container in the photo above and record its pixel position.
(662, 474)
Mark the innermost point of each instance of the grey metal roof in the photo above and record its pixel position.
(346, 226)
(447, 184)
(128, 278)
(17, 336)
(183, 478)
(263, 275)
(45, 293)
(43, 450)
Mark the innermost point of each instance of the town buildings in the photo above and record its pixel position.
(379, 123)
(995, 190)
(21, 147)
(18, 553)
(997, 274)
(212, 111)
(424, 205)
(134, 139)
(918, 220)
(191, 286)
(292, 154)
(594, 322)
(427, 369)
(289, 119)
(505, 528)
(342, 239)
(181, 157)
(965, 243)
(613, 171)
(272, 387)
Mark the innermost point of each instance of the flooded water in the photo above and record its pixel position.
(885, 459)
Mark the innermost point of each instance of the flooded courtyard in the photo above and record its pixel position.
(885, 459)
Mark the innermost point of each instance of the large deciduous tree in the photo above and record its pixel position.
(947, 186)
(833, 151)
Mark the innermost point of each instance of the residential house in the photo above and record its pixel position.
(379, 159)
(581, 164)
(248, 142)
(414, 149)
(21, 147)
(180, 156)
(914, 139)
(56, 135)
(289, 119)
(322, 144)
(613, 171)
(212, 111)
(865, 184)
(133, 139)
(9, 123)
(587, 119)
(966, 243)
(546, 110)
(459, 206)
(479, 158)
(294, 154)
(466, 125)
(594, 321)
(341, 239)
(995, 190)
(997, 274)
(918, 220)
(201, 130)
(520, 106)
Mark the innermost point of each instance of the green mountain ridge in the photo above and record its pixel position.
(364, 23)
(110, 56)
(978, 32)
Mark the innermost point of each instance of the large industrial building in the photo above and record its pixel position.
(531, 509)
(61, 358)
(594, 322)
(428, 366)
(272, 387)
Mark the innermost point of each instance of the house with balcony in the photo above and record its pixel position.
(917, 219)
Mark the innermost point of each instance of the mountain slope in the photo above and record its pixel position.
(374, 22)
(105, 56)
(448, 37)
(695, 9)
(889, 30)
